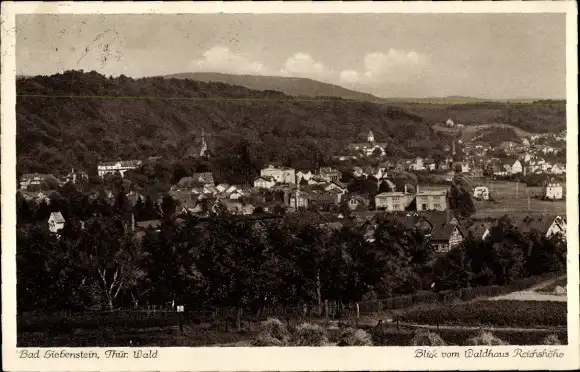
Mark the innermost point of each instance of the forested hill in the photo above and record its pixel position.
(288, 85)
(76, 119)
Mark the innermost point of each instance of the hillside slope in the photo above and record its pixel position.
(298, 87)
(124, 118)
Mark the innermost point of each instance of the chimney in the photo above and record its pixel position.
(417, 189)
(405, 189)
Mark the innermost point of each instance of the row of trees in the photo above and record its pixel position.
(251, 264)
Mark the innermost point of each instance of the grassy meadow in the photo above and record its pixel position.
(512, 199)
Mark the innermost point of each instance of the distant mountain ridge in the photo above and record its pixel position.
(292, 86)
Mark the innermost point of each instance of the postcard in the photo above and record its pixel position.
(289, 186)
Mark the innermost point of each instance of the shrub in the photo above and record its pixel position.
(311, 335)
(272, 333)
(485, 338)
(273, 327)
(521, 313)
(355, 337)
(266, 340)
(551, 340)
(426, 338)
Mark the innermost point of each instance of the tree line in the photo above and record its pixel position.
(224, 261)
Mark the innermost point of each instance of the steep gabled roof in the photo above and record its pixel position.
(540, 224)
(57, 217)
(478, 229)
(442, 233)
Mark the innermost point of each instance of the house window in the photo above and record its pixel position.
(397, 206)
(437, 206)
(424, 206)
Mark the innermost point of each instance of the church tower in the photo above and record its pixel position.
(371, 137)
(203, 151)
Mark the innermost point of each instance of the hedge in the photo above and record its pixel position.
(500, 313)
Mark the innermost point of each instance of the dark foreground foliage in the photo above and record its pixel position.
(499, 313)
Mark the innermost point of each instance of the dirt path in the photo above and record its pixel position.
(530, 294)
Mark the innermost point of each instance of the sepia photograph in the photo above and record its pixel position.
(291, 179)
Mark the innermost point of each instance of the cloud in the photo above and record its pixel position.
(303, 65)
(350, 76)
(221, 59)
(393, 66)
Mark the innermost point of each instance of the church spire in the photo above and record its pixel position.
(203, 150)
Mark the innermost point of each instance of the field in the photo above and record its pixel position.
(512, 199)
(121, 329)
(403, 336)
(503, 313)
(468, 132)
(164, 331)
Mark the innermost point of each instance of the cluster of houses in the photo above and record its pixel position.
(526, 157)
(441, 228)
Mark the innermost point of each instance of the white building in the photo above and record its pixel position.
(481, 192)
(558, 169)
(281, 175)
(265, 182)
(121, 166)
(303, 176)
(55, 222)
(554, 191)
(516, 167)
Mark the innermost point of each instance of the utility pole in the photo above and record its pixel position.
(517, 188)
(529, 206)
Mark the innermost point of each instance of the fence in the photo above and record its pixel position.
(464, 294)
(228, 318)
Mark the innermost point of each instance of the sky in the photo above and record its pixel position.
(496, 56)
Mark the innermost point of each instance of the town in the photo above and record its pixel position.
(342, 195)
(421, 213)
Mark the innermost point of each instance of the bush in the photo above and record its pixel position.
(266, 340)
(311, 335)
(551, 340)
(355, 337)
(485, 338)
(272, 333)
(426, 338)
(496, 313)
(275, 328)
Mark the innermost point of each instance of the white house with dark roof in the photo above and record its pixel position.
(554, 191)
(55, 222)
(280, 174)
(264, 182)
(431, 200)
